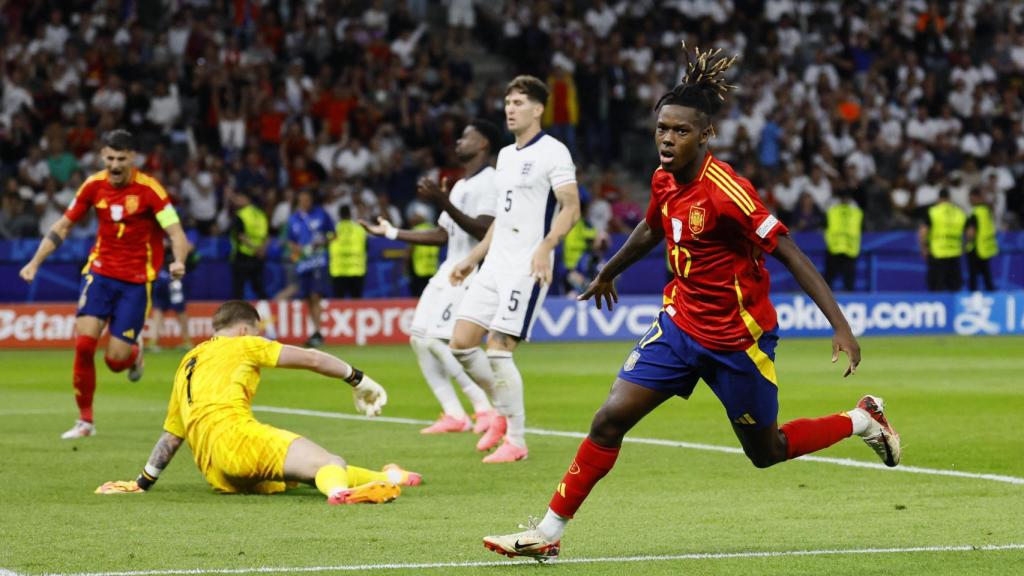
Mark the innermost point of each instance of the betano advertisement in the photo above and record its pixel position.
(387, 321)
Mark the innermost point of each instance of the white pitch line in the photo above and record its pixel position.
(605, 560)
(670, 443)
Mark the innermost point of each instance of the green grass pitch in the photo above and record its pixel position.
(958, 403)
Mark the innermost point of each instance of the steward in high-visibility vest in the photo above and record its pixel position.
(576, 243)
(249, 235)
(942, 240)
(982, 244)
(347, 256)
(842, 238)
(425, 258)
(843, 223)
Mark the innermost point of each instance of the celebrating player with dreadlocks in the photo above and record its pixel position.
(717, 323)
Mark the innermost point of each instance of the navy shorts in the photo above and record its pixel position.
(124, 304)
(313, 281)
(668, 360)
(162, 295)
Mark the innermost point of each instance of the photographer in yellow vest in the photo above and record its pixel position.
(843, 223)
(347, 256)
(980, 231)
(941, 237)
(250, 234)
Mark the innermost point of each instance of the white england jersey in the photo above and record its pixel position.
(526, 179)
(474, 196)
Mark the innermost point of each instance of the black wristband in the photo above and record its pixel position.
(356, 377)
(55, 238)
(145, 480)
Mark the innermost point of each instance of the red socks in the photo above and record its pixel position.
(808, 435)
(85, 375)
(591, 464)
(122, 365)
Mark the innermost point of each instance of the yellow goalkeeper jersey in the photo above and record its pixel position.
(213, 390)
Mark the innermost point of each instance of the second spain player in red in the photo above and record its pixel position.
(134, 212)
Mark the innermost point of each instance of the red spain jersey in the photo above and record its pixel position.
(716, 233)
(129, 244)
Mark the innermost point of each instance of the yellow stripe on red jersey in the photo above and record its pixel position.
(129, 241)
(717, 231)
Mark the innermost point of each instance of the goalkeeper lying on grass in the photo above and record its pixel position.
(211, 407)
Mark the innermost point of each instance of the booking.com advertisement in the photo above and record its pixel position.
(387, 321)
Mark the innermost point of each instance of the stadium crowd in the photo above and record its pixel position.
(891, 100)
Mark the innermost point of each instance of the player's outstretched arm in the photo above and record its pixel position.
(180, 247)
(640, 242)
(432, 237)
(814, 285)
(369, 396)
(568, 197)
(53, 239)
(163, 452)
(463, 269)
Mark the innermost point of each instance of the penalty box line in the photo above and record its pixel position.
(599, 560)
(670, 443)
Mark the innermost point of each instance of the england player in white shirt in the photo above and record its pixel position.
(467, 215)
(538, 203)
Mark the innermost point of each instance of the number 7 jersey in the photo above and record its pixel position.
(526, 179)
(716, 233)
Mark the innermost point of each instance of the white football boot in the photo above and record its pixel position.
(530, 543)
(81, 429)
(880, 435)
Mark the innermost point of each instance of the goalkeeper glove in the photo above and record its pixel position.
(369, 397)
(120, 487)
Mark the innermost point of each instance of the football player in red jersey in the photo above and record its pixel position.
(717, 323)
(132, 208)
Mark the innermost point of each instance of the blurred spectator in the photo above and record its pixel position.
(308, 230)
(561, 114)
(807, 216)
(197, 193)
(899, 98)
(16, 219)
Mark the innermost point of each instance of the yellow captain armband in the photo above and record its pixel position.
(167, 216)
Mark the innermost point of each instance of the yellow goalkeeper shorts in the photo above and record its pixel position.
(248, 457)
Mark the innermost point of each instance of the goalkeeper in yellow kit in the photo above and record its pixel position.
(211, 408)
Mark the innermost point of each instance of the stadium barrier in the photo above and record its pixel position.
(890, 262)
(362, 322)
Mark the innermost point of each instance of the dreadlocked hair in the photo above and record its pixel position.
(703, 87)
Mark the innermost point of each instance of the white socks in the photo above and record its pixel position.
(552, 526)
(861, 420)
(508, 395)
(476, 395)
(474, 361)
(437, 377)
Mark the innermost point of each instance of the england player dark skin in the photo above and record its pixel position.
(681, 136)
(474, 153)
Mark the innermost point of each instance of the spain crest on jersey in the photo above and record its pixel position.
(131, 203)
(696, 220)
